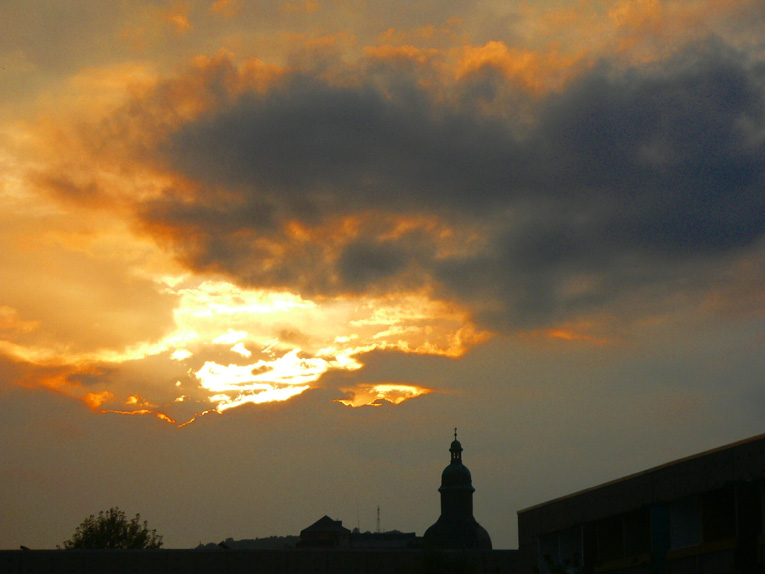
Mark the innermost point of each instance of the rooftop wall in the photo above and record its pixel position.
(258, 562)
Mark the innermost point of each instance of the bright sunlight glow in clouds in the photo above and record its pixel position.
(294, 342)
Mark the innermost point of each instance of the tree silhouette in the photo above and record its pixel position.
(111, 530)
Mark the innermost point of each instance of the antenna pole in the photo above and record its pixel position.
(378, 518)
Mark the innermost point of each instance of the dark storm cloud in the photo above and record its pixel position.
(311, 146)
(675, 155)
(623, 182)
(365, 263)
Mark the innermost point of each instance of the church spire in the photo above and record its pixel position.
(456, 527)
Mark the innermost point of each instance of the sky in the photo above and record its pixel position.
(259, 259)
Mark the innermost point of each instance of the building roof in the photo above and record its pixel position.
(739, 461)
(654, 469)
(326, 524)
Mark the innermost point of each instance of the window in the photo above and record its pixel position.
(685, 522)
(718, 514)
(624, 536)
(563, 548)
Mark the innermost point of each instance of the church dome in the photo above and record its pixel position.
(456, 474)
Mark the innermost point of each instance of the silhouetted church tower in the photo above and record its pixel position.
(456, 527)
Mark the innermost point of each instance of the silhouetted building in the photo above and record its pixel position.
(700, 514)
(325, 533)
(456, 528)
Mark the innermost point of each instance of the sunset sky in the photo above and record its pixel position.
(258, 259)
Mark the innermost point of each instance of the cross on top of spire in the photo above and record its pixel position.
(456, 449)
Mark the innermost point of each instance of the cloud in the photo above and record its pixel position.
(396, 203)
(94, 295)
(626, 181)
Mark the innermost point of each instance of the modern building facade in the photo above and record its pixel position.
(701, 514)
(456, 528)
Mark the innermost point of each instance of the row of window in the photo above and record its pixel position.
(703, 521)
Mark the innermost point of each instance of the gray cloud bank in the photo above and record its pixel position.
(630, 183)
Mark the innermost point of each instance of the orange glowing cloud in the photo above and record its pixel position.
(272, 366)
(99, 401)
(570, 333)
(138, 401)
(638, 31)
(129, 110)
(178, 16)
(573, 336)
(95, 400)
(336, 332)
(141, 412)
(376, 394)
(537, 72)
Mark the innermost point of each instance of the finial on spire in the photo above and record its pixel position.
(456, 449)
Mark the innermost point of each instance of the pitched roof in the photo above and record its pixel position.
(326, 524)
